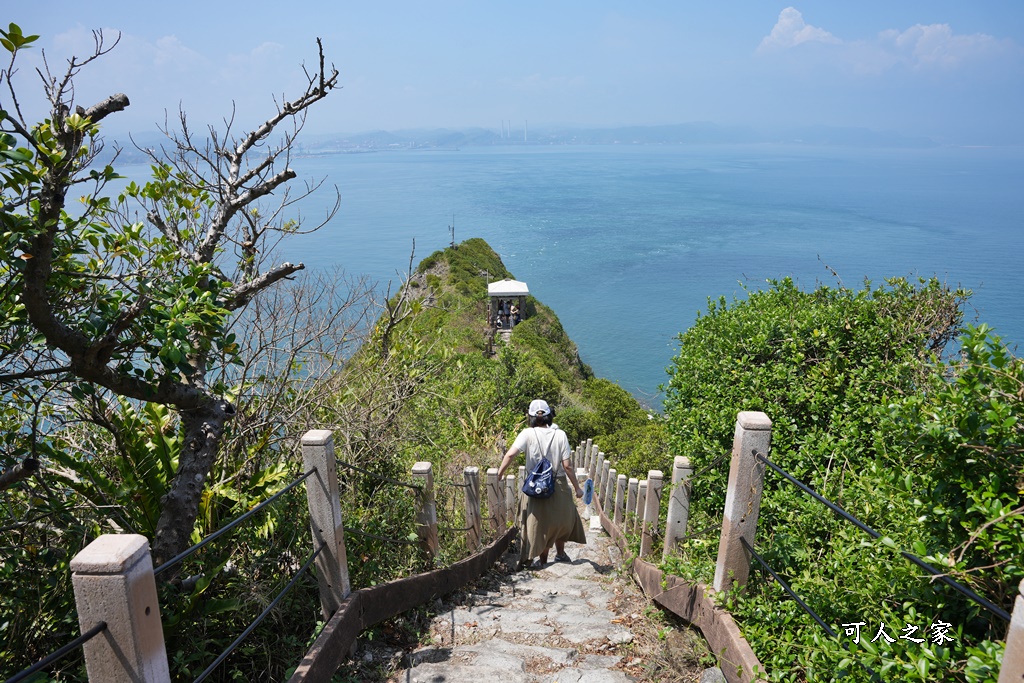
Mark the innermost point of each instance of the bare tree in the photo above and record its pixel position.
(137, 294)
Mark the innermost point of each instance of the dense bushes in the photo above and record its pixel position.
(924, 453)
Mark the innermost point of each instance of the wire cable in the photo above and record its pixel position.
(220, 532)
(231, 648)
(58, 654)
(380, 477)
(935, 573)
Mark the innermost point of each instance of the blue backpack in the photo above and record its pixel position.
(540, 482)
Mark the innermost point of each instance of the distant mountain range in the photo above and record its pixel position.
(679, 134)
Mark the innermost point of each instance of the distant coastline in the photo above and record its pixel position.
(451, 139)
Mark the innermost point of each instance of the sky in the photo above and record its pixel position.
(950, 70)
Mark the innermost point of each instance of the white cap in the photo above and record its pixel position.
(539, 407)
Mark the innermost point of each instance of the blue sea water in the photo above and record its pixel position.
(627, 243)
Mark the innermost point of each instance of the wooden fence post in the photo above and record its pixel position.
(630, 512)
(325, 519)
(652, 511)
(113, 582)
(495, 502)
(473, 530)
(1012, 668)
(743, 498)
(426, 508)
(641, 506)
(678, 504)
(620, 499)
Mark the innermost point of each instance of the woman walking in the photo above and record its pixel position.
(546, 521)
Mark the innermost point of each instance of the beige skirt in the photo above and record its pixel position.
(543, 521)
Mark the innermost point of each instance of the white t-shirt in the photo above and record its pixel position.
(543, 442)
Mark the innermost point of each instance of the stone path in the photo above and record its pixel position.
(570, 622)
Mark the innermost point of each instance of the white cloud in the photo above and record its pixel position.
(935, 45)
(791, 30)
(920, 47)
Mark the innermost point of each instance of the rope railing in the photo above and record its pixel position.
(280, 596)
(231, 525)
(803, 605)
(935, 573)
(59, 654)
(378, 477)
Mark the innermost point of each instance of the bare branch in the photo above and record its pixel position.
(239, 295)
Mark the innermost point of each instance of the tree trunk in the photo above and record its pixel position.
(203, 429)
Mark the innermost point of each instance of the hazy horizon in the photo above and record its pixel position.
(941, 69)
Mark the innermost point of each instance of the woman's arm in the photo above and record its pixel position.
(507, 460)
(571, 474)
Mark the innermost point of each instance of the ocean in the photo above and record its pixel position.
(627, 243)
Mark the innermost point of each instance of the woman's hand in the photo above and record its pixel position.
(579, 492)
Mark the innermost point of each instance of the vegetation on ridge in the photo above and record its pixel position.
(926, 451)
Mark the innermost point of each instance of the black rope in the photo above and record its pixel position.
(231, 648)
(220, 532)
(447, 529)
(697, 534)
(803, 605)
(935, 573)
(714, 463)
(453, 484)
(401, 541)
(380, 477)
(50, 659)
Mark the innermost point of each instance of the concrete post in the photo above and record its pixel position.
(620, 499)
(602, 485)
(630, 511)
(678, 504)
(473, 522)
(1012, 668)
(495, 502)
(113, 582)
(426, 508)
(598, 474)
(743, 498)
(589, 457)
(510, 498)
(641, 506)
(652, 511)
(609, 490)
(520, 478)
(325, 519)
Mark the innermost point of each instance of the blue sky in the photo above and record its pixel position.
(950, 70)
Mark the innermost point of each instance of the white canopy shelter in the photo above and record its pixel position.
(507, 302)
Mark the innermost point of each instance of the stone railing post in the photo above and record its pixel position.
(1012, 668)
(598, 474)
(620, 499)
(609, 490)
(641, 506)
(652, 511)
(678, 504)
(520, 478)
(325, 519)
(113, 582)
(588, 457)
(426, 508)
(510, 498)
(471, 476)
(631, 496)
(495, 502)
(606, 469)
(742, 499)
